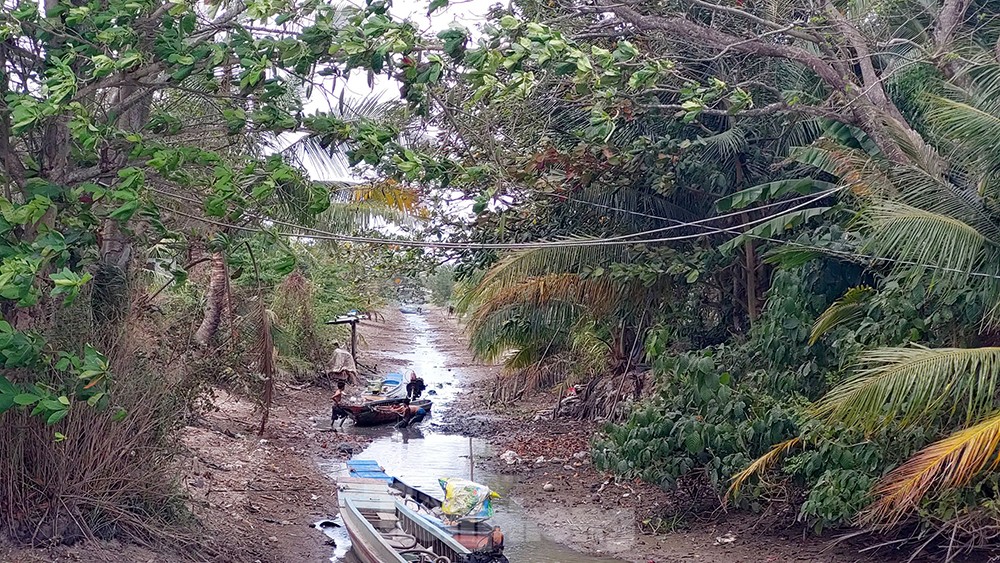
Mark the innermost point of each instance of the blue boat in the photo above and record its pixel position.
(392, 386)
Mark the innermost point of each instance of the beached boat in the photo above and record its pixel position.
(380, 412)
(389, 522)
(411, 310)
(392, 386)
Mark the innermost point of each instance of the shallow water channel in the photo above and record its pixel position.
(420, 456)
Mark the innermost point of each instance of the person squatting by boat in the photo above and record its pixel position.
(409, 414)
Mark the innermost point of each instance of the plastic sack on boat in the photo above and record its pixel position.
(465, 500)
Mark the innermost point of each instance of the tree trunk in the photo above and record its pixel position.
(753, 307)
(215, 300)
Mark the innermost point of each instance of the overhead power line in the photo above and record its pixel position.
(319, 234)
(617, 240)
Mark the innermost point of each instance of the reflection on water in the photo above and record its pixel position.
(420, 459)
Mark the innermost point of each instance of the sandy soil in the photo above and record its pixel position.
(258, 496)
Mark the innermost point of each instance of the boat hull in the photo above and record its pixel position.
(374, 498)
(378, 413)
(366, 543)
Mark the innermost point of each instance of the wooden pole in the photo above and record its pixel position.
(472, 464)
(354, 341)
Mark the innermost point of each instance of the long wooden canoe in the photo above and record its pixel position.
(380, 412)
(387, 521)
(384, 530)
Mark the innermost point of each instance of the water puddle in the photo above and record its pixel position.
(421, 455)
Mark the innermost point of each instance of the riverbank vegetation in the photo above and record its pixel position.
(760, 240)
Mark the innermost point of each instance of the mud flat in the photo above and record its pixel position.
(256, 498)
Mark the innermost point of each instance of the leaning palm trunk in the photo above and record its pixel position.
(215, 300)
(265, 361)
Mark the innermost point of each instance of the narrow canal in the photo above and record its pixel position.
(420, 456)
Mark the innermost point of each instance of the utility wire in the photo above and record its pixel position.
(323, 235)
(619, 240)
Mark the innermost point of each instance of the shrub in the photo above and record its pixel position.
(101, 472)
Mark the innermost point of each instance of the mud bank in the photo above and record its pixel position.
(256, 498)
(552, 479)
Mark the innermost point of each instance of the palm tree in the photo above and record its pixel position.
(940, 227)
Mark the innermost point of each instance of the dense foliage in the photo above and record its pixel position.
(776, 224)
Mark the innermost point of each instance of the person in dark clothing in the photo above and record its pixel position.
(338, 412)
(415, 387)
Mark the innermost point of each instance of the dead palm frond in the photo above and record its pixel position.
(762, 464)
(949, 463)
(265, 359)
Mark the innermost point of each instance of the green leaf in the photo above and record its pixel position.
(125, 211)
(6, 387)
(774, 227)
(509, 22)
(693, 442)
(6, 402)
(771, 190)
(25, 399)
(57, 416)
(435, 5)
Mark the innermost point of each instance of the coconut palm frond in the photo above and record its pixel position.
(975, 129)
(524, 264)
(632, 204)
(596, 294)
(857, 171)
(946, 464)
(523, 358)
(928, 192)
(923, 155)
(903, 232)
(724, 147)
(847, 308)
(762, 464)
(801, 133)
(362, 216)
(522, 326)
(327, 162)
(591, 348)
(908, 386)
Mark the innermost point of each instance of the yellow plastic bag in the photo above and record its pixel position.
(465, 500)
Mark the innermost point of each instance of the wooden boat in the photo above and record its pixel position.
(392, 386)
(380, 412)
(388, 524)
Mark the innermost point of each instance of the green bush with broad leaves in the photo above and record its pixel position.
(715, 410)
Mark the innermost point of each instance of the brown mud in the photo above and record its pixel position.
(257, 497)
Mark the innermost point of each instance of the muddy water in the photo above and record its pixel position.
(420, 456)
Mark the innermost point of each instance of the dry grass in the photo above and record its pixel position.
(113, 475)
